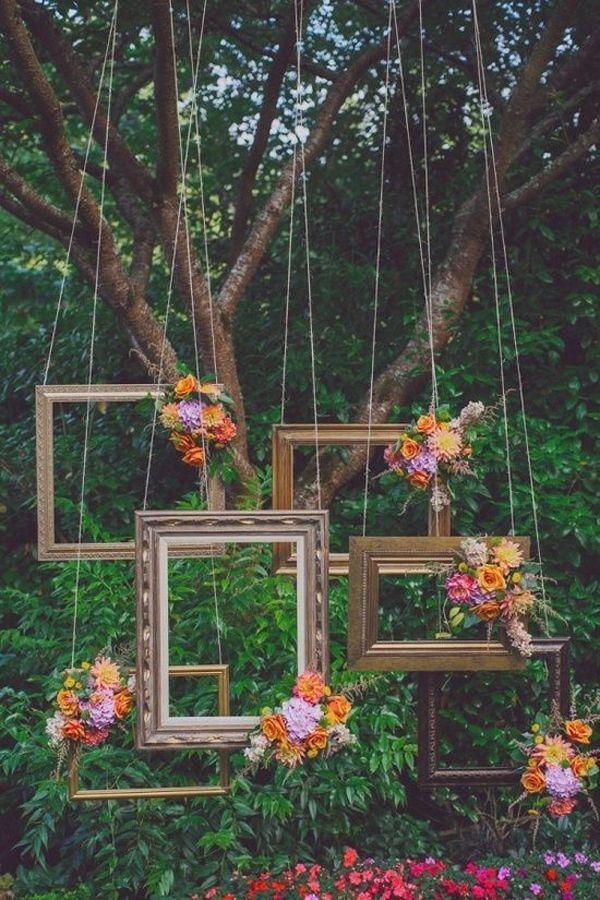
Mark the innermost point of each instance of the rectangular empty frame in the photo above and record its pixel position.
(286, 438)
(158, 534)
(149, 793)
(373, 557)
(430, 774)
(47, 397)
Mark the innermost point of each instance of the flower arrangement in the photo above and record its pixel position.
(198, 415)
(492, 582)
(435, 448)
(92, 701)
(545, 876)
(310, 723)
(559, 765)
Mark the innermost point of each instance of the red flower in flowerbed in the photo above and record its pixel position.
(539, 876)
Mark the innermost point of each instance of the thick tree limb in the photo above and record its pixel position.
(452, 280)
(261, 136)
(75, 75)
(268, 219)
(165, 93)
(42, 210)
(553, 170)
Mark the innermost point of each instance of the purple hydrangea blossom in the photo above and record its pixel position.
(561, 782)
(300, 717)
(190, 414)
(424, 461)
(101, 709)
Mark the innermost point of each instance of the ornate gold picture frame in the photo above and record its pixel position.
(554, 650)
(372, 557)
(157, 535)
(221, 673)
(286, 438)
(46, 397)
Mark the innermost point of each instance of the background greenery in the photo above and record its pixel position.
(368, 796)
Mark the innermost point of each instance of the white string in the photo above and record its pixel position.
(298, 21)
(113, 30)
(377, 270)
(484, 110)
(513, 325)
(429, 303)
(288, 286)
(194, 118)
(88, 147)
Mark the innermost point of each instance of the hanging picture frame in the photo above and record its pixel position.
(221, 673)
(555, 651)
(158, 534)
(288, 438)
(374, 557)
(47, 398)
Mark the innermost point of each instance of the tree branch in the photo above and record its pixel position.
(263, 128)
(124, 97)
(41, 209)
(165, 93)
(553, 170)
(268, 219)
(70, 67)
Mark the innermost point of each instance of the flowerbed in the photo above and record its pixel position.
(541, 876)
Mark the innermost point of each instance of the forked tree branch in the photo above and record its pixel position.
(267, 221)
(261, 135)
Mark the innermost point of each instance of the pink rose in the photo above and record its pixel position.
(460, 588)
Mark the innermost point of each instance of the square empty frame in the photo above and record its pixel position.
(47, 396)
(286, 438)
(158, 534)
(373, 557)
(149, 793)
(430, 774)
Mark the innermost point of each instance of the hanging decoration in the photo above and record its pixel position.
(560, 766)
(311, 723)
(93, 701)
(198, 413)
(435, 449)
(491, 581)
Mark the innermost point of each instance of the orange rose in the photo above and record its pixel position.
(533, 781)
(490, 578)
(123, 703)
(581, 765)
(578, 731)
(338, 708)
(73, 730)
(274, 729)
(185, 386)
(182, 442)
(316, 741)
(409, 449)
(194, 457)
(67, 703)
(426, 424)
(419, 479)
(487, 611)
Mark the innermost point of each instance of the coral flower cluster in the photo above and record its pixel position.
(491, 578)
(310, 723)
(198, 416)
(559, 765)
(92, 700)
(434, 448)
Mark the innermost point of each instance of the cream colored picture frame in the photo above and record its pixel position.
(158, 534)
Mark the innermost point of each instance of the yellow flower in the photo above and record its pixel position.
(516, 577)
(508, 555)
(538, 739)
(533, 812)
(463, 567)
(535, 728)
(69, 682)
(86, 665)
